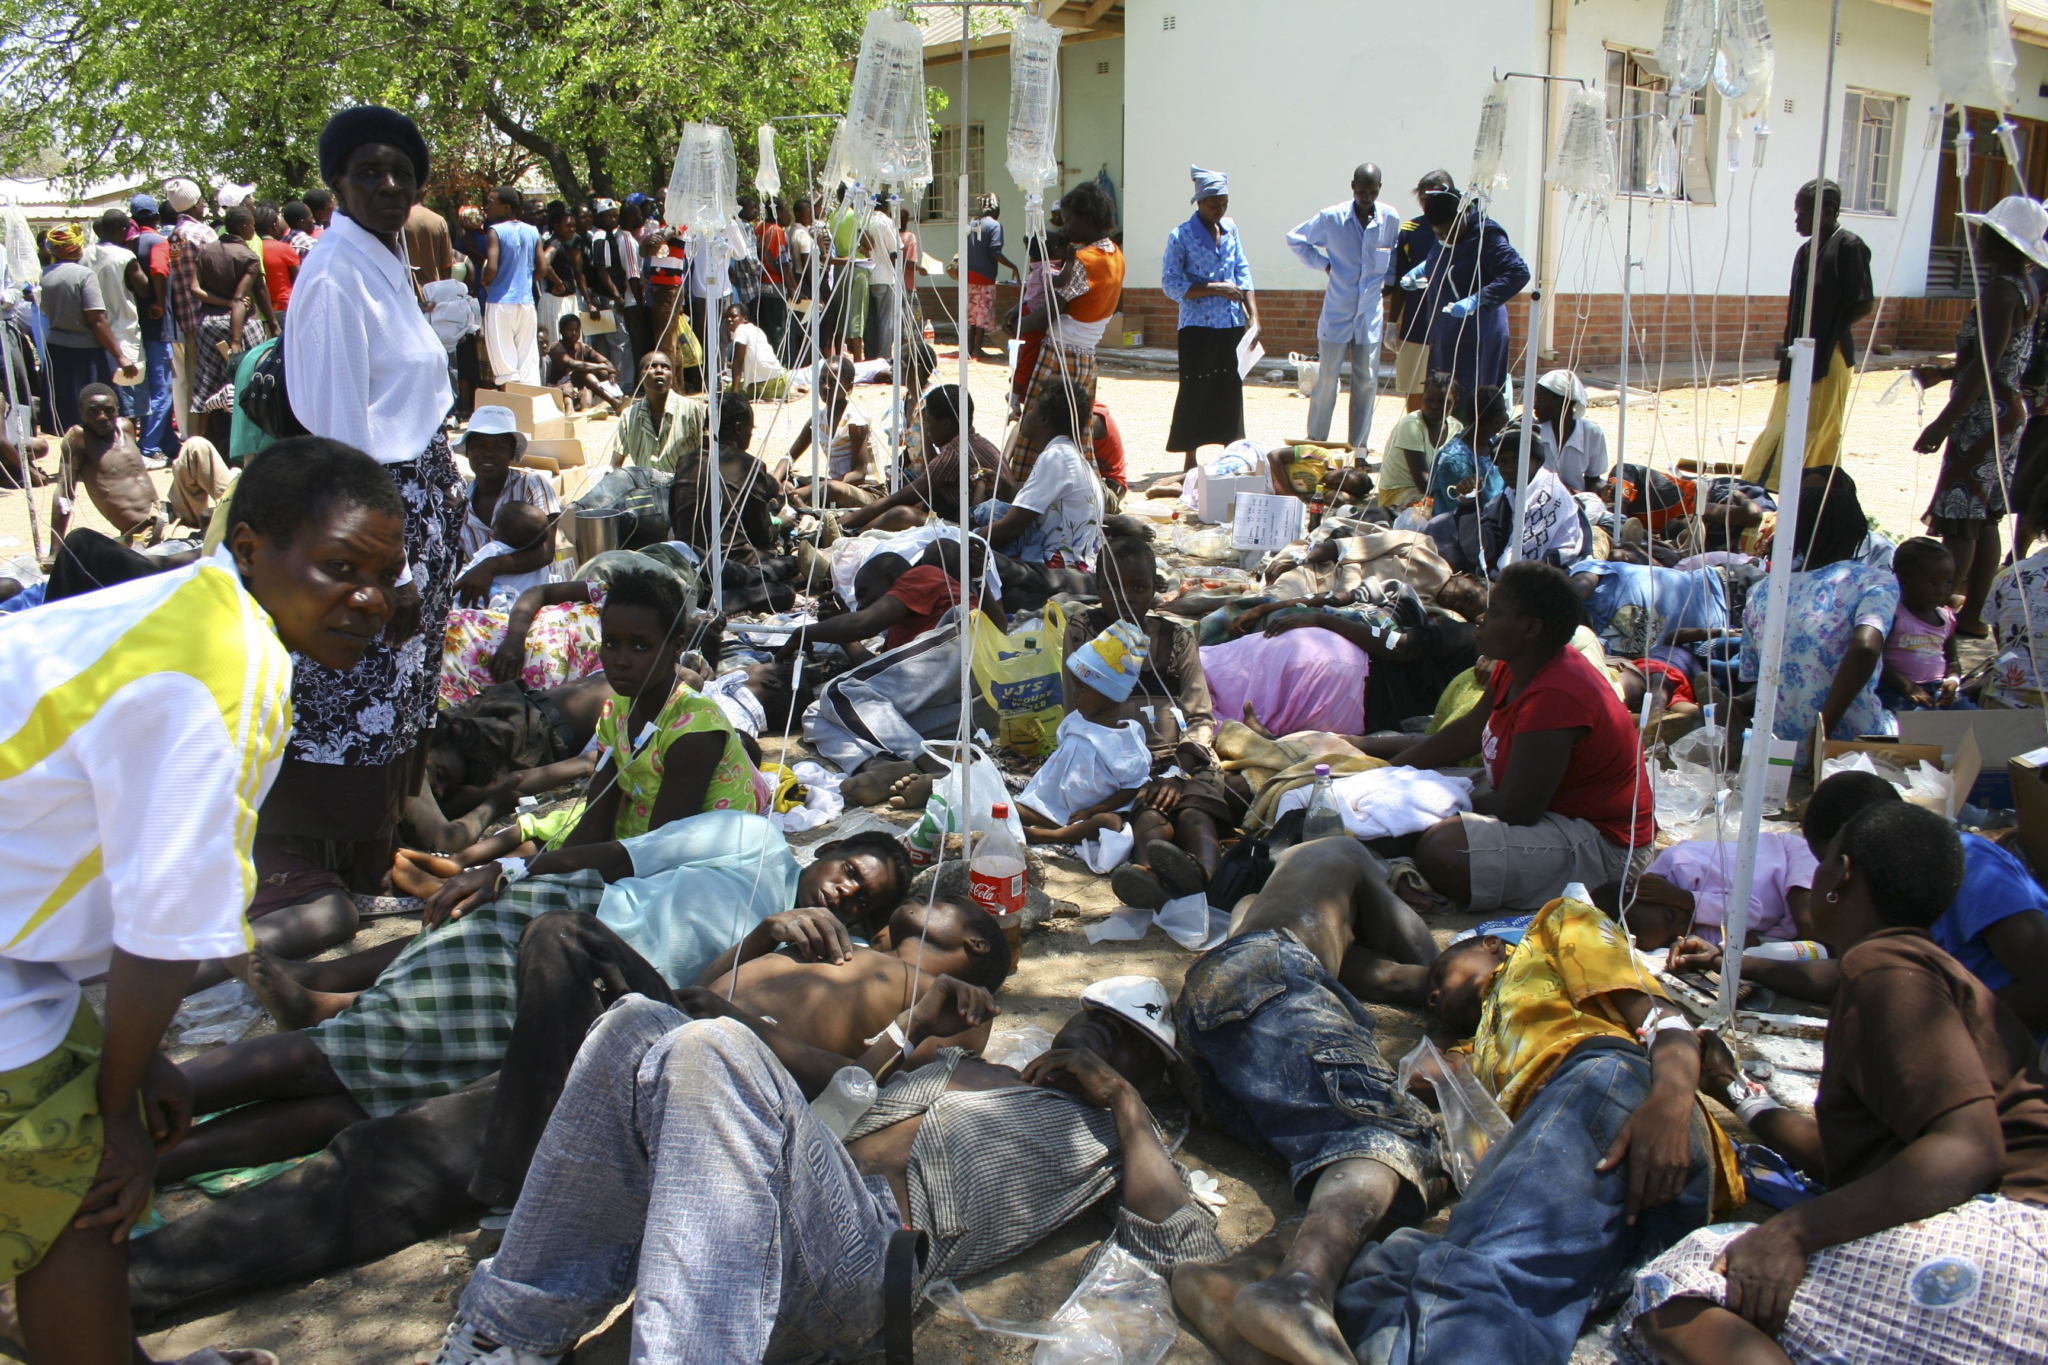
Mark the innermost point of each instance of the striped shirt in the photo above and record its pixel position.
(140, 727)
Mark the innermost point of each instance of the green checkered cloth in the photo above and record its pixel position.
(441, 1015)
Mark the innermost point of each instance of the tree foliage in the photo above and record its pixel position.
(595, 94)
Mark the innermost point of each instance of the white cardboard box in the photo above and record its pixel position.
(1218, 499)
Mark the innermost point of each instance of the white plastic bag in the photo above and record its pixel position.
(963, 800)
(1473, 1122)
(1305, 371)
(1016, 1045)
(1120, 1314)
(767, 174)
(218, 1014)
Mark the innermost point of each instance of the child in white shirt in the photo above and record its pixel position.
(517, 526)
(1100, 764)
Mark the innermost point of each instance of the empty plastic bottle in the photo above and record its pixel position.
(1748, 59)
(767, 175)
(1322, 820)
(1490, 148)
(840, 1105)
(703, 187)
(1583, 163)
(1969, 45)
(1034, 104)
(1692, 34)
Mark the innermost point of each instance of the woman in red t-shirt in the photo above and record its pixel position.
(1568, 799)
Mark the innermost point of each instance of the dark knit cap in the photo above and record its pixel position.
(365, 124)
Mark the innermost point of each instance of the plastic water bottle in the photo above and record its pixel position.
(995, 878)
(851, 1094)
(1789, 950)
(1322, 820)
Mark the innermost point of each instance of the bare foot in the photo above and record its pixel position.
(291, 1004)
(871, 785)
(1289, 1317)
(420, 874)
(910, 793)
(1205, 1293)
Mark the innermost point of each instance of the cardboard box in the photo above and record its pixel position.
(1778, 779)
(1217, 500)
(561, 454)
(2029, 774)
(529, 410)
(1962, 768)
(2001, 735)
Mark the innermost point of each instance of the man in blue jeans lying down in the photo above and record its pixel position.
(683, 1165)
(1280, 1054)
(1611, 1157)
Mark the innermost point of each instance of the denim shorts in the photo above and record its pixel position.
(1285, 1058)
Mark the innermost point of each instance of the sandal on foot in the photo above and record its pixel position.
(1176, 869)
(1138, 888)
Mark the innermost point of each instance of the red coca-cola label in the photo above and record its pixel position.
(997, 895)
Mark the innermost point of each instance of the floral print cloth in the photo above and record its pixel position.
(1828, 604)
(2018, 612)
(561, 647)
(372, 714)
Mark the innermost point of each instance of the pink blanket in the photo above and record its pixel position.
(1296, 680)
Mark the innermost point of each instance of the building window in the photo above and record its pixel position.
(1636, 89)
(939, 206)
(1870, 161)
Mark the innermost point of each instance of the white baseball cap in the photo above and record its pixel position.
(1140, 999)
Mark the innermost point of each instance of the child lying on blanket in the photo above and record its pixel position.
(1100, 763)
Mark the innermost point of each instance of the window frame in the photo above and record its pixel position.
(1853, 178)
(946, 171)
(1697, 168)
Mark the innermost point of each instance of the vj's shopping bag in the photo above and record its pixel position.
(1019, 675)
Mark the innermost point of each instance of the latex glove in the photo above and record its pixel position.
(1415, 279)
(1462, 308)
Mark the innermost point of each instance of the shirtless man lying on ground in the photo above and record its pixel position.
(684, 1147)
(101, 453)
(1272, 1028)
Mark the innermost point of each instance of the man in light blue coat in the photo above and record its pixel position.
(1352, 244)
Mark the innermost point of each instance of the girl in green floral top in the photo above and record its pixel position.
(671, 750)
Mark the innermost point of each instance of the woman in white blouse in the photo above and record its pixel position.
(364, 367)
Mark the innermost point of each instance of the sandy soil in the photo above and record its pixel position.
(392, 1312)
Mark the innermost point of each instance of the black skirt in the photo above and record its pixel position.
(1209, 409)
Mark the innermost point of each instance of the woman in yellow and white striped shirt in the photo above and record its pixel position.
(140, 727)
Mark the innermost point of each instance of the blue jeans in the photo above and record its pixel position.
(1285, 1058)
(1892, 700)
(1537, 1241)
(683, 1166)
(1365, 388)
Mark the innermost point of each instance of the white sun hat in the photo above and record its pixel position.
(1140, 999)
(2021, 221)
(494, 419)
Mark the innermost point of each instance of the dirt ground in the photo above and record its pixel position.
(392, 1312)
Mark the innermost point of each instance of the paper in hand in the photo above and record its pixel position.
(1249, 353)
